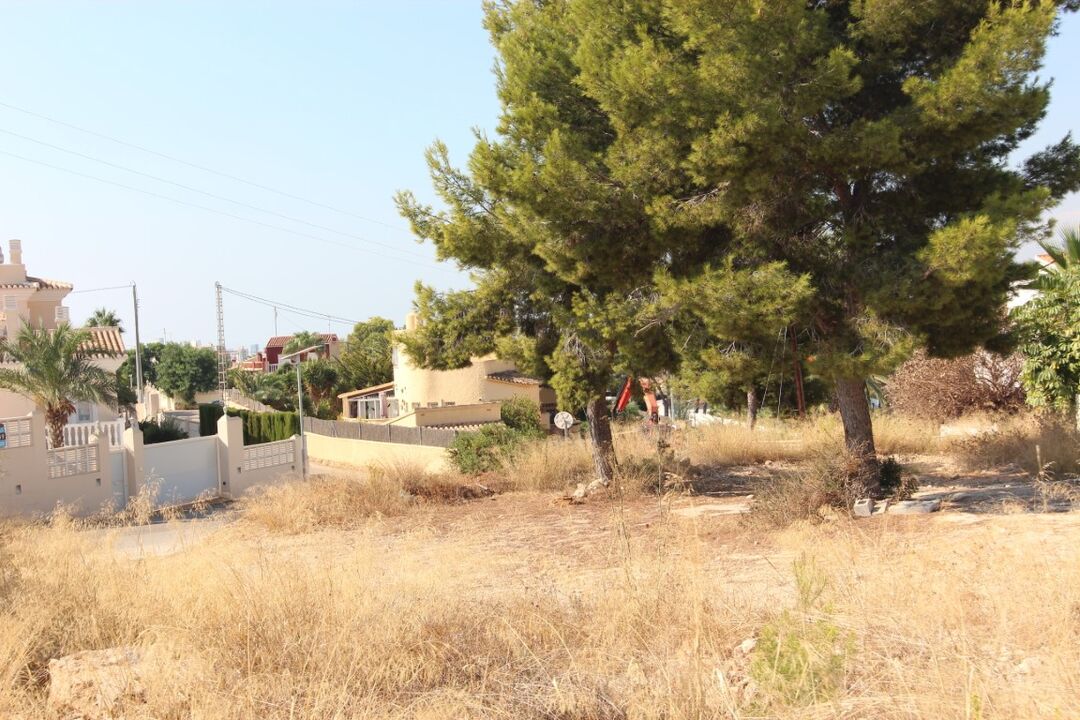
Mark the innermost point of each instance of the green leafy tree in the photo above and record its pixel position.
(182, 370)
(56, 370)
(1048, 328)
(151, 353)
(103, 317)
(861, 146)
(301, 340)
(367, 356)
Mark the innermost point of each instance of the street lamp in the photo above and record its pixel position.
(300, 402)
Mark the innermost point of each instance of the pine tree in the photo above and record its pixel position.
(861, 144)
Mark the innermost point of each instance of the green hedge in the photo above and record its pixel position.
(258, 427)
(209, 414)
(267, 427)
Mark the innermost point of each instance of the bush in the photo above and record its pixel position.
(209, 414)
(486, 449)
(941, 389)
(165, 431)
(521, 414)
(828, 479)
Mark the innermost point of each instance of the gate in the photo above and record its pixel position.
(185, 469)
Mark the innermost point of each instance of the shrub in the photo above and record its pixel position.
(801, 656)
(828, 479)
(940, 389)
(165, 431)
(209, 414)
(486, 449)
(521, 414)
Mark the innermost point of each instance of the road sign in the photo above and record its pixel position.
(564, 420)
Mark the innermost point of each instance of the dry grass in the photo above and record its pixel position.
(852, 621)
(1024, 440)
(545, 465)
(344, 500)
(493, 616)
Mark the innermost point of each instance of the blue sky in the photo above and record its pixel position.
(332, 102)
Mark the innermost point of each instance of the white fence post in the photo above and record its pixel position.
(133, 456)
(230, 436)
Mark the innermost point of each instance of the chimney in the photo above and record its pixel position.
(16, 252)
(412, 321)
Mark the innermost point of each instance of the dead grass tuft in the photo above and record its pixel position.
(1038, 443)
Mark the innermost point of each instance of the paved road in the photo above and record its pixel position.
(162, 538)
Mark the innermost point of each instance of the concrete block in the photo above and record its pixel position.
(864, 507)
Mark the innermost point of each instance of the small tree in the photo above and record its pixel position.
(57, 370)
(320, 378)
(183, 370)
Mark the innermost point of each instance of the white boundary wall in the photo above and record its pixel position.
(92, 477)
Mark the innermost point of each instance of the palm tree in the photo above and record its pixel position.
(103, 317)
(1066, 257)
(301, 340)
(57, 370)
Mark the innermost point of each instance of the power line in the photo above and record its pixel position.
(212, 210)
(203, 168)
(102, 289)
(313, 314)
(215, 196)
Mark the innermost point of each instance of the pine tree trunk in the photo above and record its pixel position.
(603, 447)
(859, 433)
(752, 405)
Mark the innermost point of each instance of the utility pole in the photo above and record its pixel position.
(223, 365)
(138, 348)
(275, 320)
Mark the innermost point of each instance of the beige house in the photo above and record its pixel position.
(436, 398)
(40, 302)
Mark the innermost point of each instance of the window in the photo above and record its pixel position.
(62, 314)
(11, 303)
(84, 412)
(394, 356)
(449, 403)
(433, 404)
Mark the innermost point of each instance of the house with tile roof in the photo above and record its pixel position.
(30, 299)
(275, 348)
(468, 396)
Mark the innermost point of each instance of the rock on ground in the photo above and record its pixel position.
(97, 684)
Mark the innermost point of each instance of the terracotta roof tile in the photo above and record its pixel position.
(107, 339)
(35, 283)
(280, 341)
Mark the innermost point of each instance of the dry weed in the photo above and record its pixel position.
(1038, 443)
(851, 620)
